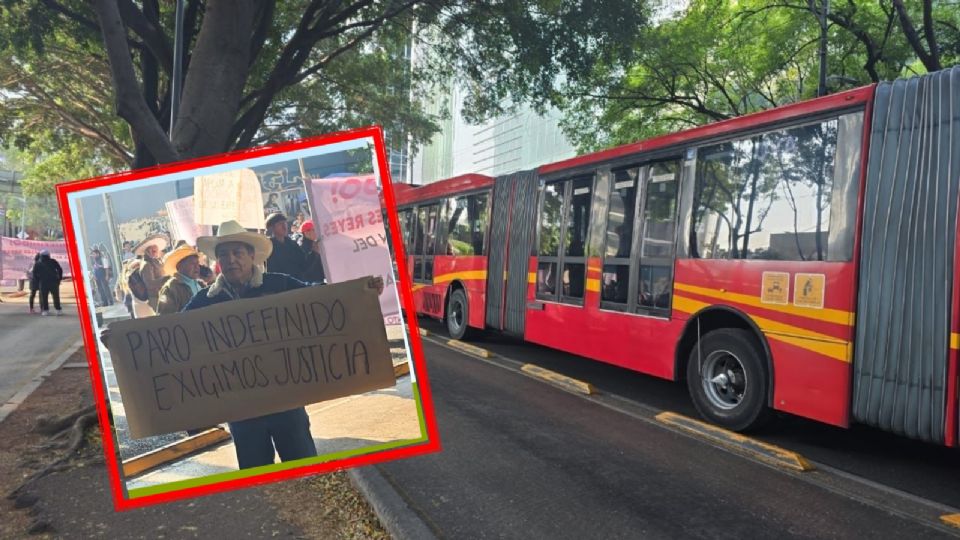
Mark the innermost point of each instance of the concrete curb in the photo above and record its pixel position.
(396, 516)
(35, 383)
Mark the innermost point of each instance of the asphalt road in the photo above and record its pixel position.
(922, 469)
(524, 459)
(28, 342)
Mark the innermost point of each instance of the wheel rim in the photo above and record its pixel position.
(724, 380)
(455, 316)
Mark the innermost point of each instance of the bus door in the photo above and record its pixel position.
(424, 249)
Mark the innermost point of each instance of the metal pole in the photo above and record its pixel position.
(177, 80)
(824, 9)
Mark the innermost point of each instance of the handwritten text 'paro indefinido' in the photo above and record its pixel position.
(307, 351)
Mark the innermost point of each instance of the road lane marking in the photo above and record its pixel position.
(568, 383)
(746, 446)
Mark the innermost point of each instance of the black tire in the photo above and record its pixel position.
(457, 315)
(727, 378)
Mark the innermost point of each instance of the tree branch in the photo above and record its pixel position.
(152, 35)
(930, 60)
(130, 104)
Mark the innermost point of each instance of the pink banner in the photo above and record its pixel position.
(185, 227)
(349, 223)
(16, 256)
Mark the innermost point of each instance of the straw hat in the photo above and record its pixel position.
(158, 240)
(231, 231)
(172, 259)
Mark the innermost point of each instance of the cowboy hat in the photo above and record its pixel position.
(231, 231)
(172, 259)
(158, 240)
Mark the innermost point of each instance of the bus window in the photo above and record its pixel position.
(549, 245)
(466, 225)
(406, 227)
(658, 232)
(767, 196)
(564, 223)
(575, 238)
(425, 230)
(618, 242)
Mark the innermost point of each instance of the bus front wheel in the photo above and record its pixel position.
(457, 312)
(727, 380)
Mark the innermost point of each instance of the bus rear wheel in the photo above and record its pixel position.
(727, 380)
(457, 315)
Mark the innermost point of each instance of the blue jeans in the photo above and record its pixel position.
(288, 431)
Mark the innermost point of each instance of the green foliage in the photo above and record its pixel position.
(724, 58)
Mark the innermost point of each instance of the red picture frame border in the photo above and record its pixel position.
(121, 502)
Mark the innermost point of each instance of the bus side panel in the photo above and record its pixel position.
(472, 272)
(635, 342)
(811, 347)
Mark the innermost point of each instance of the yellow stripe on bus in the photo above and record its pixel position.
(531, 277)
(794, 335)
(954, 340)
(467, 274)
(836, 316)
(593, 284)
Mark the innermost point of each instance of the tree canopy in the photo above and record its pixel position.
(720, 58)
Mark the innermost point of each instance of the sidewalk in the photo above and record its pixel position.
(10, 294)
(346, 424)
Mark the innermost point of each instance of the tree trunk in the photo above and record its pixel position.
(218, 72)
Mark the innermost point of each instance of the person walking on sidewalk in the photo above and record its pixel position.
(101, 275)
(313, 270)
(49, 274)
(241, 255)
(34, 282)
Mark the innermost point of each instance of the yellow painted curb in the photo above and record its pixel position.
(172, 451)
(560, 380)
(467, 348)
(752, 448)
(952, 520)
(424, 332)
(399, 370)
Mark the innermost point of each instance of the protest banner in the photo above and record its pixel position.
(182, 222)
(352, 238)
(18, 256)
(231, 195)
(247, 358)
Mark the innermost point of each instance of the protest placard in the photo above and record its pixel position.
(250, 357)
(17, 256)
(183, 224)
(231, 195)
(349, 224)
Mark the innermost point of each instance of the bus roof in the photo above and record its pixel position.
(784, 113)
(442, 188)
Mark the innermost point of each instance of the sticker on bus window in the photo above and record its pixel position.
(775, 288)
(662, 178)
(808, 290)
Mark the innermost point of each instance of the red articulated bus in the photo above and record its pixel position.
(801, 259)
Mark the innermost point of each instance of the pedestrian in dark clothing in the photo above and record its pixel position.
(286, 257)
(49, 274)
(101, 274)
(34, 282)
(313, 271)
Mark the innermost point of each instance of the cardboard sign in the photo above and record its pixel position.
(182, 222)
(808, 290)
(775, 288)
(246, 358)
(228, 195)
(353, 240)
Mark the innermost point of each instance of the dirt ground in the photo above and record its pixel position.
(77, 502)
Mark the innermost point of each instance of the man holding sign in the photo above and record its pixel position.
(258, 357)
